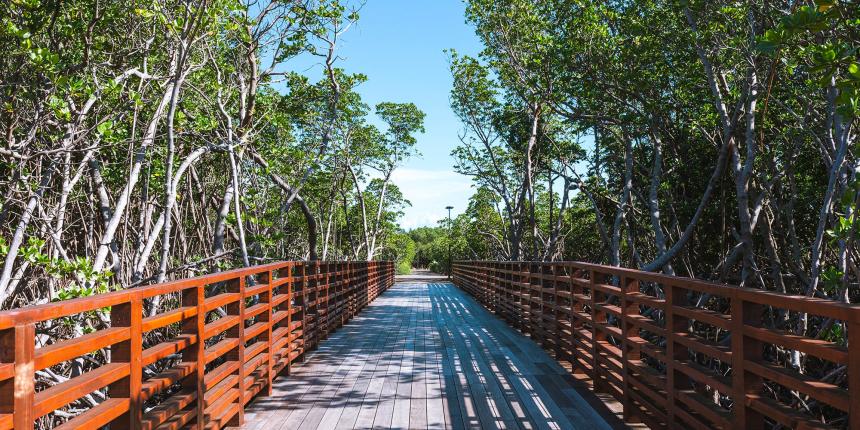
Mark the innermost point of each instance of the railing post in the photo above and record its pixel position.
(375, 281)
(363, 286)
(525, 281)
(355, 285)
(196, 353)
(334, 293)
(313, 285)
(577, 308)
(301, 299)
(358, 273)
(673, 324)
(482, 284)
(676, 352)
(327, 279)
(17, 394)
(342, 292)
(266, 297)
(346, 288)
(497, 287)
(489, 285)
(287, 305)
(129, 314)
(550, 299)
(510, 294)
(368, 270)
(597, 335)
(238, 354)
(346, 291)
(745, 349)
(557, 313)
(530, 292)
(854, 369)
(562, 310)
(329, 274)
(628, 352)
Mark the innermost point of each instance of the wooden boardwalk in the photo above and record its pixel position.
(425, 355)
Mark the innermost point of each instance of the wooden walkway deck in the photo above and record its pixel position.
(425, 355)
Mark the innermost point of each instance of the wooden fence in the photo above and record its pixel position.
(679, 352)
(221, 341)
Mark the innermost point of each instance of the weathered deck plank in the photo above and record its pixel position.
(425, 356)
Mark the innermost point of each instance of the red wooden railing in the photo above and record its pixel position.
(679, 352)
(221, 341)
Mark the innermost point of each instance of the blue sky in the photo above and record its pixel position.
(399, 46)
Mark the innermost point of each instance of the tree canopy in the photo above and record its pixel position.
(158, 139)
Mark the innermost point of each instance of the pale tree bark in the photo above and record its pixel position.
(237, 207)
(192, 20)
(331, 40)
(743, 173)
(836, 170)
(18, 236)
(58, 215)
(528, 178)
(689, 231)
(623, 203)
(170, 189)
(654, 201)
(824, 213)
(133, 176)
(330, 216)
(220, 228)
(71, 135)
(549, 249)
(157, 231)
(303, 206)
(100, 189)
(371, 248)
(360, 197)
(742, 169)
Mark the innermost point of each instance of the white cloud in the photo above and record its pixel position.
(430, 191)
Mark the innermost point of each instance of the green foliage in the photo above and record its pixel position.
(400, 248)
(435, 245)
(813, 38)
(609, 84)
(835, 333)
(78, 274)
(403, 268)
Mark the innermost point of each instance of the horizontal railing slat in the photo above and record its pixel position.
(666, 350)
(75, 388)
(285, 310)
(167, 318)
(49, 311)
(76, 347)
(99, 416)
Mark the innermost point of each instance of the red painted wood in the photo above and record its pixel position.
(129, 315)
(638, 335)
(216, 380)
(854, 375)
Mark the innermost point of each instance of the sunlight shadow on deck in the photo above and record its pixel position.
(424, 356)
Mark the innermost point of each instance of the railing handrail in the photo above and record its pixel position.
(645, 347)
(59, 309)
(218, 362)
(815, 305)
